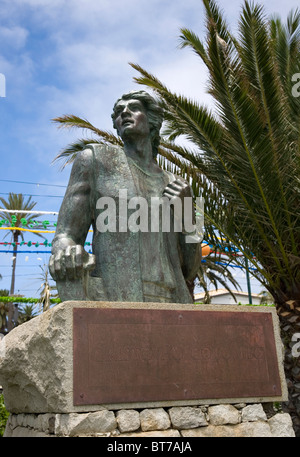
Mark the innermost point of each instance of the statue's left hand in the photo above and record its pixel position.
(178, 188)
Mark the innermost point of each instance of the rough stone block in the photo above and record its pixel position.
(128, 420)
(45, 422)
(25, 432)
(35, 368)
(187, 417)
(243, 430)
(281, 425)
(253, 413)
(29, 421)
(223, 414)
(85, 423)
(20, 418)
(154, 419)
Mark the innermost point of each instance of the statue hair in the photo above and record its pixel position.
(154, 114)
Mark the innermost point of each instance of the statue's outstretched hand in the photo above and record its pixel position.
(70, 263)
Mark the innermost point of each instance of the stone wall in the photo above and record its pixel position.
(239, 420)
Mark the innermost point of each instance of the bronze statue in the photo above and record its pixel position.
(130, 262)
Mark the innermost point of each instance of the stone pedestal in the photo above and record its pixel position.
(38, 371)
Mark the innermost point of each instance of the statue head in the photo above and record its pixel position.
(154, 114)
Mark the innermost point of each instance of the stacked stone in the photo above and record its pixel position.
(226, 420)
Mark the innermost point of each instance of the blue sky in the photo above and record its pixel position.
(71, 56)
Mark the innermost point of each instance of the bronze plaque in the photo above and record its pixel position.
(145, 355)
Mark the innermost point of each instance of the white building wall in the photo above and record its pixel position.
(225, 298)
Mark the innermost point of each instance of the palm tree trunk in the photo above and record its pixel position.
(290, 326)
(14, 262)
(10, 317)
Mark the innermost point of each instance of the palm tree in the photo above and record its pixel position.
(3, 317)
(26, 313)
(16, 202)
(243, 158)
(4, 292)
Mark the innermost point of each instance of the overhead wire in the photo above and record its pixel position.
(33, 183)
(35, 195)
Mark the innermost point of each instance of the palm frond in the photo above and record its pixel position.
(189, 39)
(215, 19)
(68, 154)
(214, 273)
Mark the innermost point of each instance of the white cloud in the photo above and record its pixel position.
(83, 62)
(185, 74)
(13, 37)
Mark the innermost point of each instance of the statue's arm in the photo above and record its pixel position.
(75, 217)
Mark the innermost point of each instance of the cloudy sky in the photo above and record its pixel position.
(71, 56)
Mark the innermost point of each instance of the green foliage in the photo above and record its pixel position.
(3, 416)
(26, 313)
(26, 300)
(26, 307)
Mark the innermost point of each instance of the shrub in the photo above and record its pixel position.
(3, 415)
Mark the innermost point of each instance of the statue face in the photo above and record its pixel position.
(131, 119)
